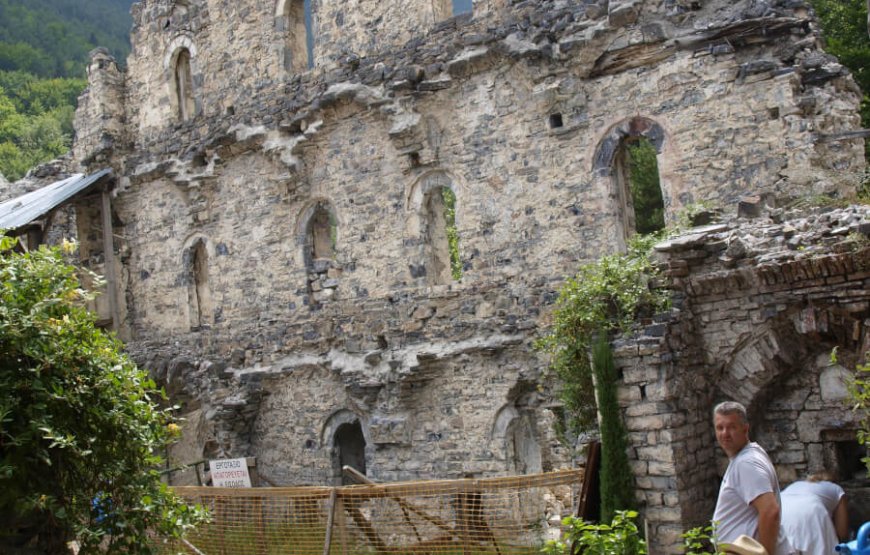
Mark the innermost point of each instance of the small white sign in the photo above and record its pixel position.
(230, 473)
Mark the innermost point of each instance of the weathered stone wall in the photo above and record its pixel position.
(760, 306)
(521, 109)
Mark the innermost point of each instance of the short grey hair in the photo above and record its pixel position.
(731, 407)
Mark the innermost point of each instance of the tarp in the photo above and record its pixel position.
(22, 210)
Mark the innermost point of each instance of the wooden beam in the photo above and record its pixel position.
(109, 257)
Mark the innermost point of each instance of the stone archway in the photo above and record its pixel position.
(610, 170)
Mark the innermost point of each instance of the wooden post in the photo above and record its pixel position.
(109, 258)
(330, 519)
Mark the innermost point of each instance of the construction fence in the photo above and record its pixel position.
(501, 516)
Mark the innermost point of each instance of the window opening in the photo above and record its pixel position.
(442, 236)
(636, 171)
(462, 6)
(184, 85)
(199, 294)
(299, 47)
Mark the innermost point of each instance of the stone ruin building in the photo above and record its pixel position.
(278, 256)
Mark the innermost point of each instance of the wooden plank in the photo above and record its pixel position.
(405, 505)
(330, 520)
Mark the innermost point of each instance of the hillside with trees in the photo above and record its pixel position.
(44, 46)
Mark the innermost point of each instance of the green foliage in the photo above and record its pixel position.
(617, 489)
(859, 393)
(620, 537)
(36, 117)
(844, 27)
(603, 296)
(699, 541)
(80, 430)
(646, 191)
(449, 198)
(52, 38)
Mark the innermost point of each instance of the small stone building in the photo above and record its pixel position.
(289, 175)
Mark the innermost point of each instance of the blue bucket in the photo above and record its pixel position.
(860, 545)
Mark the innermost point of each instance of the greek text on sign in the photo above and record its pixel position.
(230, 473)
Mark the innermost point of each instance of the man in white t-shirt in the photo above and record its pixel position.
(749, 495)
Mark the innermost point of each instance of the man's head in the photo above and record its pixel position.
(732, 427)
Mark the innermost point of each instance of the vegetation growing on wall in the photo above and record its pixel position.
(449, 198)
(80, 430)
(646, 190)
(603, 296)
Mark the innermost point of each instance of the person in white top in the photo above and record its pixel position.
(815, 515)
(748, 502)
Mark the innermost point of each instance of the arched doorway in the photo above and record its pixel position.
(349, 449)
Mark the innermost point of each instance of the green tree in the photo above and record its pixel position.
(844, 28)
(80, 428)
(617, 488)
(36, 120)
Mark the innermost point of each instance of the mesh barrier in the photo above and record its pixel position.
(502, 516)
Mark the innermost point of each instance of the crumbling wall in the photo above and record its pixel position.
(759, 307)
(274, 338)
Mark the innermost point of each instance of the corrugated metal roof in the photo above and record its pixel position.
(22, 210)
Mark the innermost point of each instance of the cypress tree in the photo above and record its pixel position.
(617, 489)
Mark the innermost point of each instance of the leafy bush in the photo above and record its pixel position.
(80, 430)
(620, 537)
(699, 541)
(603, 296)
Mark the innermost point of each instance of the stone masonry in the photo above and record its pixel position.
(279, 223)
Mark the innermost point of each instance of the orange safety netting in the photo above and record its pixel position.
(501, 516)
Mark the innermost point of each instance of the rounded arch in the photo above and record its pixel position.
(198, 237)
(513, 431)
(183, 41)
(608, 146)
(337, 419)
(426, 182)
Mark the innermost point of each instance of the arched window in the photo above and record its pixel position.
(441, 236)
(183, 85)
(628, 158)
(298, 35)
(198, 290)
